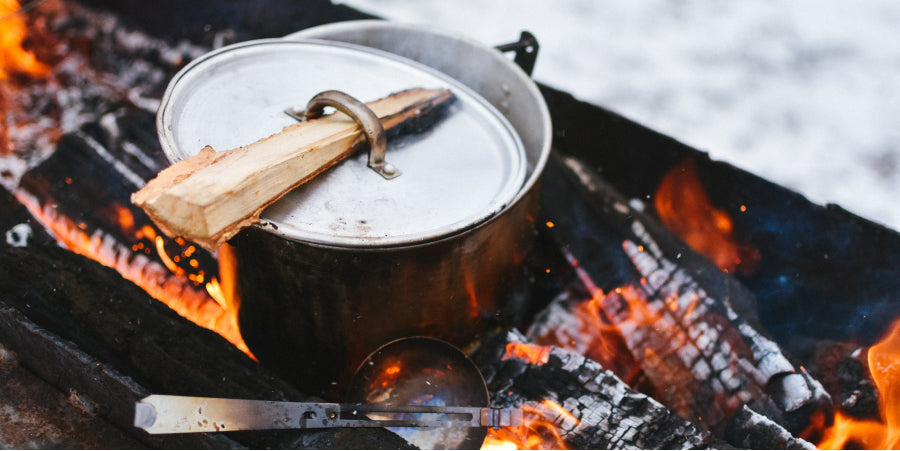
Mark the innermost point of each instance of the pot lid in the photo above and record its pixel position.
(456, 175)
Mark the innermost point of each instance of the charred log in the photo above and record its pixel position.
(809, 284)
(81, 193)
(206, 20)
(680, 317)
(750, 430)
(600, 411)
(844, 371)
(37, 416)
(114, 322)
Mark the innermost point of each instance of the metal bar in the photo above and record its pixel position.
(165, 414)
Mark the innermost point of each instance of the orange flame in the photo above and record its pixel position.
(685, 209)
(13, 58)
(589, 332)
(534, 355)
(197, 305)
(544, 423)
(884, 365)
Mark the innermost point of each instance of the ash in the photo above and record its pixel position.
(98, 68)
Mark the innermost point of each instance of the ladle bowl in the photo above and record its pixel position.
(423, 371)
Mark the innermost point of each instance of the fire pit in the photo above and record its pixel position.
(745, 316)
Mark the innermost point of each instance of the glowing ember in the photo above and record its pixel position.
(13, 58)
(884, 364)
(201, 306)
(534, 355)
(594, 335)
(543, 423)
(685, 209)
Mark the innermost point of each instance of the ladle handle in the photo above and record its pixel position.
(166, 414)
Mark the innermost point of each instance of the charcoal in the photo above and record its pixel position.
(127, 345)
(603, 412)
(824, 272)
(688, 324)
(750, 430)
(844, 371)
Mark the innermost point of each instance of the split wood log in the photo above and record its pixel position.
(584, 405)
(211, 196)
(80, 303)
(702, 357)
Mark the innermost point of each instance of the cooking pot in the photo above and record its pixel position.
(348, 262)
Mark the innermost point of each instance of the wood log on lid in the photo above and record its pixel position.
(211, 196)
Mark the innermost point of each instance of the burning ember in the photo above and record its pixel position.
(884, 364)
(14, 58)
(535, 355)
(542, 429)
(661, 332)
(685, 209)
(115, 236)
(169, 284)
(544, 421)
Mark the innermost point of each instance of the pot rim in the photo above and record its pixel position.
(541, 147)
(481, 117)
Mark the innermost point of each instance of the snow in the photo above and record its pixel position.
(804, 93)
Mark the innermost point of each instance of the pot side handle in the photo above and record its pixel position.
(526, 49)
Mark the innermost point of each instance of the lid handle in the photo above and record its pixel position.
(366, 119)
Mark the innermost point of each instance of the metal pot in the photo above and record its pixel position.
(317, 293)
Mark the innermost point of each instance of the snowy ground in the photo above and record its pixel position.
(803, 93)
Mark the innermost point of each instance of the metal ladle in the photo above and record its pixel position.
(421, 371)
(423, 389)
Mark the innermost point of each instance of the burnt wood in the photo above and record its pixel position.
(605, 413)
(750, 430)
(89, 184)
(681, 318)
(118, 324)
(37, 416)
(824, 273)
(239, 20)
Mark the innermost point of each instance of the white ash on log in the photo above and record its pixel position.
(601, 411)
(838, 283)
(97, 66)
(702, 357)
(751, 430)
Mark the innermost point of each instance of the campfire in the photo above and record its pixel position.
(675, 304)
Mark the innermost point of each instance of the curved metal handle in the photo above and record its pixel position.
(366, 119)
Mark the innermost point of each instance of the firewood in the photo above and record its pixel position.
(82, 192)
(750, 430)
(596, 410)
(211, 196)
(130, 345)
(680, 318)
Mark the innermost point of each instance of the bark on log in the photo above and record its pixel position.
(601, 411)
(118, 324)
(211, 196)
(678, 320)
